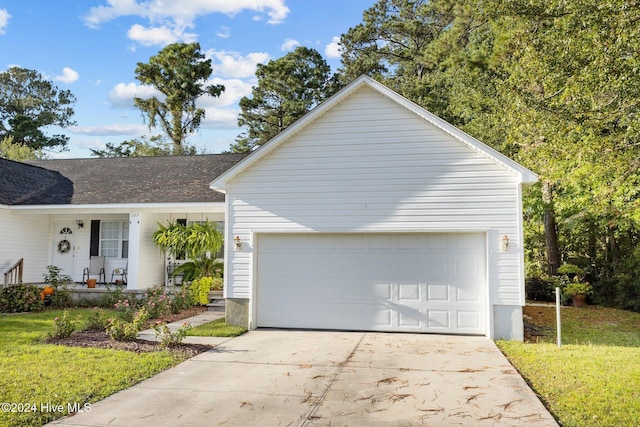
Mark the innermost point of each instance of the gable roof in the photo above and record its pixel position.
(121, 180)
(525, 175)
(22, 184)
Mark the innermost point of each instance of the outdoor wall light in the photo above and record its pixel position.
(505, 243)
(238, 242)
(80, 223)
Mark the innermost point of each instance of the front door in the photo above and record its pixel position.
(63, 250)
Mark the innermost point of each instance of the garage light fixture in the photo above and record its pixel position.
(238, 242)
(505, 243)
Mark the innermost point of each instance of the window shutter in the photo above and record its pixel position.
(95, 237)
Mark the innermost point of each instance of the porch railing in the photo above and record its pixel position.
(13, 275)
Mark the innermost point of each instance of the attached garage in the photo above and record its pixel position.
(370, 213)
(426, 282)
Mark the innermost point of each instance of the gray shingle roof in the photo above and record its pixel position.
(171, 179)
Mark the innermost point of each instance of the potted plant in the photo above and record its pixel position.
(578, 292)
(574, 284)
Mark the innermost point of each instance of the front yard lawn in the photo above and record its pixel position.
(217, 328)
(594, 378)
(43, 381)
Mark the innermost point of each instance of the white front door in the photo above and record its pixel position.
(63, 250)
(377, 282)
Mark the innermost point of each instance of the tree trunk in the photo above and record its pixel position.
(550, 230)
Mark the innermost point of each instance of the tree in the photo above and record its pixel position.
(18, 152)
(287, 89)
(179, 72)
(29, 103)
(156, 146)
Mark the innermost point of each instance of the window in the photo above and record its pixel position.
(114, 239)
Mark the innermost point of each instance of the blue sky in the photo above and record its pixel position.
(91, 47)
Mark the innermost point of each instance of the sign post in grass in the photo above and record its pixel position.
(558, 316)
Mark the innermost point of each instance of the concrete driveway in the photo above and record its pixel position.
(317, 378)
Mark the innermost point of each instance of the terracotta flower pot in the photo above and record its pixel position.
(579, 300)
(91, 283)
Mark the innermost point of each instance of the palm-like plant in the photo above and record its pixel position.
(199, 242)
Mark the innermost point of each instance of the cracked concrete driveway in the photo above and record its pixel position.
(319, 378)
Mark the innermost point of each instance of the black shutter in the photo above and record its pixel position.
(182, 221)
(95, 237)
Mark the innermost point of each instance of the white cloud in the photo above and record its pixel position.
(68, 76)
(159, 36)
(4, 20)
(289, 44)
(224, 32)
(183, 12)
(234, 65)
(121, 96)
(234, 89)
(333, 49)
(220, 118)
(108, 130)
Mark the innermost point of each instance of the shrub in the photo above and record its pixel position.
(199, 290)
(63, 326)
(120, 330)
(97, 320)
(126, 308)
(168, 338)
(21, 298)
(539, 289)
(157, 302)
(61, 296)
(181, 301)
(217, 284)
(111, 297)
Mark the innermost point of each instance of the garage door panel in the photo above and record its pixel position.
(387, 282)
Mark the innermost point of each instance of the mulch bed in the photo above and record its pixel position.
(100, 339)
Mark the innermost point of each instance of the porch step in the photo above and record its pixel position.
(216, 301)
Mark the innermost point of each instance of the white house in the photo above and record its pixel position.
(61, 212)
(370, 213)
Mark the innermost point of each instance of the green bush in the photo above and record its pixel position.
(168, 338)
(218, 283)
(63, 326)
(181, 301)
(157, 301)
(121, 330)
(97, 321)
(61, 297)
(199, 290)
(539, 289)
(21, 298)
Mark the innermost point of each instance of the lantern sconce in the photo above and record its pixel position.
(80, 223)
(505, 243)
(238, 242)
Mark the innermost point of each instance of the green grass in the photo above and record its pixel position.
(594, 378)
(35, 373)
(217, 328)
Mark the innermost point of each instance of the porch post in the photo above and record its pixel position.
(133, 274)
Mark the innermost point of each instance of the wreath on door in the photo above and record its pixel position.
(64, 246)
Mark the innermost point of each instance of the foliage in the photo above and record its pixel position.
(199, 241)
(121, 330)
(539, 289)
(112, 296)
(61, 297)
(156, 146)
(179, 72)
(199, 290)
(217, 328)
(181, 300)
(157, 302)
(20, 298)
(287, 89)
(29, 103)
(127, 308)
(34, 371)
(217, 284)
(63, 326)
(168, 338)
(577, 288)
(97, 320)
(589, 380)
(18, 152)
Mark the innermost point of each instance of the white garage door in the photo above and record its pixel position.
(373, 282)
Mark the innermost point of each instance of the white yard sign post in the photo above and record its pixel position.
(558, 317)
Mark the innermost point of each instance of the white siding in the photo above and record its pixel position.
(24, 236)
(369, 165)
